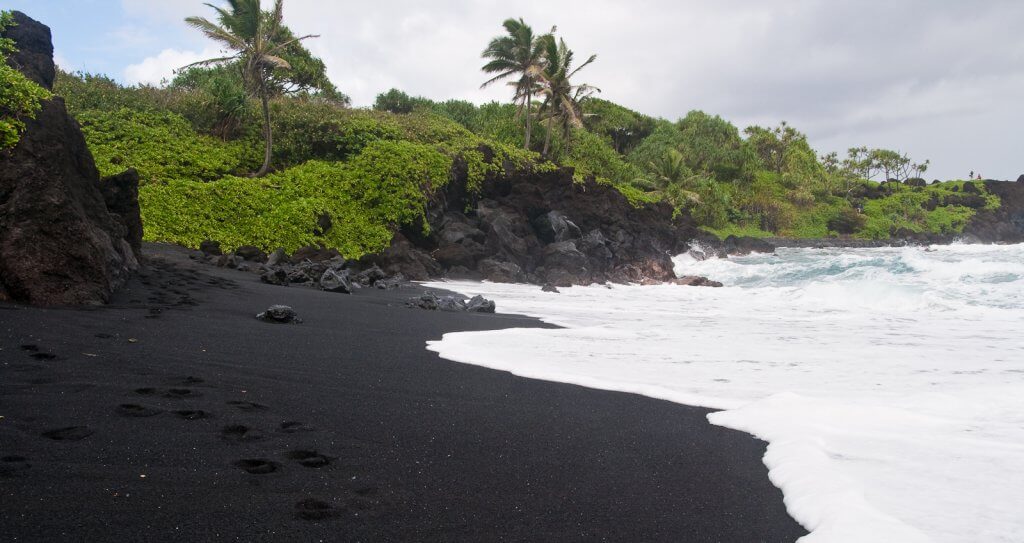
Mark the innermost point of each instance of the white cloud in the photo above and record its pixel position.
(161, 67)
(63, 63)
(937, 78)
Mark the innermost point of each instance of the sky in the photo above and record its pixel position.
(937, 79)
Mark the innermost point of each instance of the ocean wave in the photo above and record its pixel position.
(888, 382)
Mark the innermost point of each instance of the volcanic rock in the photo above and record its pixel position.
(59, 242)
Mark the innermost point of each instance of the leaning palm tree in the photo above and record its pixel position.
(561, 97)
(520, 54)
(255, 38)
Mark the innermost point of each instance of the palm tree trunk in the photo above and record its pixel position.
(547, 137)
(529, 113)
(267, 135)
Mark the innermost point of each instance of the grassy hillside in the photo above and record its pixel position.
(371, 170)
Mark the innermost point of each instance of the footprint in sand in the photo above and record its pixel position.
(193, 414)
(294, 427)
(240, 433)
(257, 466)
(315, 510)
(35, 353)
(181, 393)
(69, 433)
(135, 410)
(13, 465)
(172, 393)
(247, 406)
(309, 459)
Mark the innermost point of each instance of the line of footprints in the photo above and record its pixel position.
(307, 509)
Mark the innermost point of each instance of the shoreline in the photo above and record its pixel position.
(348, 427)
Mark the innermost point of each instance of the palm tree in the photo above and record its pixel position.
(519, 54)
(256, 39)
(561, 96)
(671, 177)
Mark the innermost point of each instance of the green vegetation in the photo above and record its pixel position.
(268, 58)
(521, 55)
(373, 170)
(384, 186)
(20, 98)
(162, 146)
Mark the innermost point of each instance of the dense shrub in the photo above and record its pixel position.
(664, 136)
(384, 186)
(394, 101)
(314, 130)
(161, 146)
(623, 127)
(593, 156)
(846, 221)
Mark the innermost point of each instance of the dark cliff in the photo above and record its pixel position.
(59, 241)
(540, 228)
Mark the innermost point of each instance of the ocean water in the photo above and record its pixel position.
(888, 383)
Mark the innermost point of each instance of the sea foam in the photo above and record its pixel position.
(888, 383)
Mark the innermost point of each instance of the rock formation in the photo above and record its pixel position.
(542, 228)
(60, 243)
(1005, 224)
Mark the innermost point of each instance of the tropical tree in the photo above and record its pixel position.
(669, 173)
(561, 97)
(520, 55)
(257, 40)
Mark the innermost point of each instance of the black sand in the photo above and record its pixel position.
(174, 415)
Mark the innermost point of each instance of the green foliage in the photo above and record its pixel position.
(314, 130)
(813, 221)
(738, 230)
(624, 127)
(161, 146)
(460, 111)
(384, 186)
(664, 137)
(84, 91)
(713, 145)
(20, 98)
(394, 101)
(497, 122)
(518, 55)
(638, 198)
(305, 75)
(868, 163)
(907, 210)
(222, 105)
(594, 156)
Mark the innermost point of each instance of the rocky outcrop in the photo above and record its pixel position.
(542, 228)
(454, 303)
(706, 245)
(60, 243)
(34, 54)
(1002, 225)
(121, 194)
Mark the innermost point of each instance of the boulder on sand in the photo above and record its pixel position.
(433, 302)
(479, 304)
(336, 281)
(279, 314)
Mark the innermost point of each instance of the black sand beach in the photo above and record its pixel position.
(174, 415)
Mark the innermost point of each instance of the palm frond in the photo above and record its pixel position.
(216, 33)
